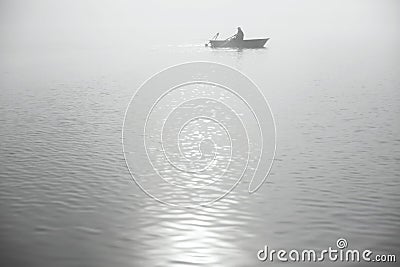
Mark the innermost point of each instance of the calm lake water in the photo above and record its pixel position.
(67, 198)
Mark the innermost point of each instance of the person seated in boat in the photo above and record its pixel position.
(239, 35)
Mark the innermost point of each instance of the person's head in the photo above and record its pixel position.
(239, 28)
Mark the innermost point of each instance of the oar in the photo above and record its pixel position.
(213, 38)
(228, 39)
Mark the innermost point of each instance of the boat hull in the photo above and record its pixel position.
(251, 43)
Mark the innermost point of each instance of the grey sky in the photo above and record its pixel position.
(107, 23)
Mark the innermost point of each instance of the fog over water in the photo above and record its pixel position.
(68, 70)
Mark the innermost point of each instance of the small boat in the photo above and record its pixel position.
(251, 43)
